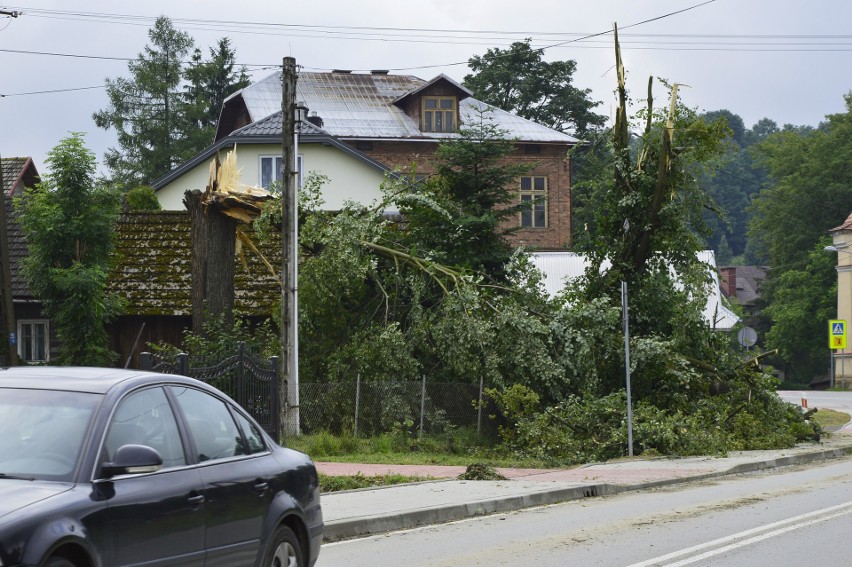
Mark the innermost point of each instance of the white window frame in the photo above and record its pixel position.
(33, 338)
(538, 196)
(277, 175)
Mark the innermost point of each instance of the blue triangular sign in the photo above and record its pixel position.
(837, 329)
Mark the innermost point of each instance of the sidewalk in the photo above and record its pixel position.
(371, 511)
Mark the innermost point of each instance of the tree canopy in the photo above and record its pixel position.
(68, 223)
(164, 112)
(810, 193)
(519, 80)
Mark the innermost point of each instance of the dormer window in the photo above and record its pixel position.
(439, 114)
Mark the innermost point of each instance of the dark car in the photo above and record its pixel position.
(102, 467)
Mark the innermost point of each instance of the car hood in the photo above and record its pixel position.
(17, 494)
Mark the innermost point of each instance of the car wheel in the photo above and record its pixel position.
(59, 562)
(285, 550)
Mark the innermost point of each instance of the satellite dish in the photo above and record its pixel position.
(747, 337)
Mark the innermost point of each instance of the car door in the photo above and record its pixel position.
(236, 487)
(153, 518)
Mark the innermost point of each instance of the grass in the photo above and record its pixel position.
(338, 483)
(457, 448)
(830, 419)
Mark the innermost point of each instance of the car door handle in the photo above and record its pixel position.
(197, 499)
(261, 486)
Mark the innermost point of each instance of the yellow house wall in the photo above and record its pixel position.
(349, 177)
(843, 358)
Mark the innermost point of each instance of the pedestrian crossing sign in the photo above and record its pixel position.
(837, 334)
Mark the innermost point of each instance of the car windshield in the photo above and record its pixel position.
(42, 432)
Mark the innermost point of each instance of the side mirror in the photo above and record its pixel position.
(133, 459)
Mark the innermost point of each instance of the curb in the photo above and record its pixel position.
(382, 523)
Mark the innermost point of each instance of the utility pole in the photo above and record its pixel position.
(289, 255)
(8, 322)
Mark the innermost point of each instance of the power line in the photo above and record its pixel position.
(52, 91)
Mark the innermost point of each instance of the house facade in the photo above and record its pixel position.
(33, 337)
(841, 238)
(372, 124)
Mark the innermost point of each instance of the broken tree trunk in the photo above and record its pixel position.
(213, 247)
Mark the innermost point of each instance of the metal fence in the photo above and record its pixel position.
(372, 408)
(250, 380)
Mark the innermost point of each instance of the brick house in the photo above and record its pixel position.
(369, 124)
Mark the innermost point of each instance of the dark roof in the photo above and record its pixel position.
(153, 270)
(847, 225)
(17, 252)
(748, 282)
(18, 173)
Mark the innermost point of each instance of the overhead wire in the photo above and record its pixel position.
(390, 34)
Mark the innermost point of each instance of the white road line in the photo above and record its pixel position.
(747, 537)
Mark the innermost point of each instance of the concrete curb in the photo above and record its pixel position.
(362, 526)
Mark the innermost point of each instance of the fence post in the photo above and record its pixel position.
(479, 409)
(275, 417)
(357, 401)
(183, 364)
(146, 361)
(422, 405)
(242, 397)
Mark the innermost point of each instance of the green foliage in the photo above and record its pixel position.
(68, 223)
(518, 80)
(480, 471)
(219, 339)
(456, 215)
(161, 113)
(581, 430)
(810, 194)
(208, 84)
(803, 300)
(141, 198)
(338, 483)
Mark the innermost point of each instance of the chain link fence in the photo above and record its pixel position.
(372, 408)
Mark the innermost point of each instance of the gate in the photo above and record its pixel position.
(252, 382)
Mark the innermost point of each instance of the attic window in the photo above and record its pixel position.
(439, 114)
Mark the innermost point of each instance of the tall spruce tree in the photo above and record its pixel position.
(166, 110)
(208, 83)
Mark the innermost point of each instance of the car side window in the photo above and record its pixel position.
(210, 424)
(146, 418)
(254, 439)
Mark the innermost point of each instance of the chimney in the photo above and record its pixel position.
(315, 119)
(729, 281)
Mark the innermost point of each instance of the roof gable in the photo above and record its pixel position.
(19, 173)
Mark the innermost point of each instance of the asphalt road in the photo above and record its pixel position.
(791, 516)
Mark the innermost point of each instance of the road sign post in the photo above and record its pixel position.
(836, 341)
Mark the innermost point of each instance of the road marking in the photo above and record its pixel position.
(747, 537)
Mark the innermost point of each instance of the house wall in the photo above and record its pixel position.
(843, 358)
(551, 161)
(349, 177)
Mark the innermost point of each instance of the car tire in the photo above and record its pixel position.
(285, 551)
(59, 562)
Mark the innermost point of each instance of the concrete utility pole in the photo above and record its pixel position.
(289, 249)
(8, 322)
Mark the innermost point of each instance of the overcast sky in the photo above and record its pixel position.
(787, 60)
